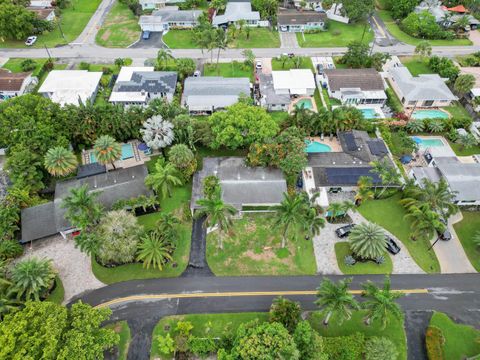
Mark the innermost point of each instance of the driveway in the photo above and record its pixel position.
(382, 36)
(474, 37)
(288, 40)
(154, 42)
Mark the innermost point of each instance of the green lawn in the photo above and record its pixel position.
(279, 116)
(305, 64)
(231, 69)
(326, 98)
(253, 248)
(394, 330)
(465, 230)
(416, 65)
(461, 341)
(215, 325)
(389, 214)
(179, 39)
(457, 110)
(395, 30)
(120, 28)
(337, 35)
(58, 294)
(73, 20)
(122, 329)
(461, 151)
(342, 249)
(14, 65)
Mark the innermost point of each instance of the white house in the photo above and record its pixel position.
(294, 82)
(157, 4)
(71, 86)
(165, 19)
(237, 10)
(299, 21)
(139, 85)
(15, 84)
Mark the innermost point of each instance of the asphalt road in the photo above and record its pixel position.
(457, 295)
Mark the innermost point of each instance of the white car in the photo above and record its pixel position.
(31, 40)
(197, 73)
(258, 65)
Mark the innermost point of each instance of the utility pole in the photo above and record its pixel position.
(48, 52)
(61, 31)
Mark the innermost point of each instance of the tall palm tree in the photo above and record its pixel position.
(107, 150)
(380, 303)
(60, 161)
(32, 278)
(367, 240)
(83, 211)
(335, 299)
(364, 189)
(425, 222)
(154, 250)
(221, 42)
(334, 210)
(387, 174)
(289, 214)
(166, 225)
(164, 178)
(216, 213)
(348, 205)
(163, 55)
(313, 223)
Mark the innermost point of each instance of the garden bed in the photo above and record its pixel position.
(342, 249)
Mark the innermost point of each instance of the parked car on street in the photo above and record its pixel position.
(392, 246)
(31, 40)
(344, 231)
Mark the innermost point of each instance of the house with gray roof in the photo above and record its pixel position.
(355, 86)
(290, 20)
(424, 90)
(204, 95)
(49, 218)
(169, 18)
(243, 187)
(139, 85)
(237, 10)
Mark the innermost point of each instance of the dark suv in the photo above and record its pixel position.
(392, 246)
(344, 231)
(446, 235)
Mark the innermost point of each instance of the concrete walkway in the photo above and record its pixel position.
(74, 267)
(88, 34)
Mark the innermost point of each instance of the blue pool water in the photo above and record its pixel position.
(316, 147)
(370, 113)
(127, 153)
(305, 103)
(426, 143)
(429, 114)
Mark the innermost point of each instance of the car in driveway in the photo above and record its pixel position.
(146, 35)
(392, 246)
(31, 40)
(344, 231)
(258, 65)
(446, 235)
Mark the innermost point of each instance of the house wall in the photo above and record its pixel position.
(277, 107)
(302, 27)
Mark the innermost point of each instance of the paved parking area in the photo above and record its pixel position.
(155, 41)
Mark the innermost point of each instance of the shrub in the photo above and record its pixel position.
(380, 348)
(309, 343)
(28, 65)
(201, 346)
(434, 341)
(84, 66)
(10, 249)
(380, 260)
(285, 312)
(211, 184)
(349, 347)
(349, 260)
(166, 344)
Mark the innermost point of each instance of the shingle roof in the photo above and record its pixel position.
(38, 222)
(294, 17)
(166, 15)
(364, 79)
(12, 81)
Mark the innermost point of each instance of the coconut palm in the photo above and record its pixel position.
(463, 84)
(166, 225)
(416, 126)
(368, 240)
(157, 133)
(436, 125)
(364, 189)
(32, 278)
(154, 250)
(221, 43)
(216, 213)
(387, 173)
(334, 299)
(425, 222)
(380, 303)
(334, 210)
(313, 223)
(107, 150)
(163, 55)
(164, 178)
(467, 141)
(60, 161)
(83, 211)
(290, 214)
(348, 205)
(283, 59)
(424, 49)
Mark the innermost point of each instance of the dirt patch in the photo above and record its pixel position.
(251, 227)
(266, 255)
(106, 35)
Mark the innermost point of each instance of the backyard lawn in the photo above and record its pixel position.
(465, 230)
(395, 30)
(342, 249)
(122, 329)
(461, 341)
(389, 214)
(394, 330)
(253, 248)
(457, 110)
(120, 28)
(416, 65)
(73, 20)
(279, 116)
(461, 151)
(231, 69)
(305, 64)
(337, 35)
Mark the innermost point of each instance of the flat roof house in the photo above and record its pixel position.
(294, 82)
(237, 10)
(71, 86)
(165, 19)
(139, 85)
(15, 84)
(299, 21)
(425, 90)
(207, 94)
(242, 186)
(355, 86)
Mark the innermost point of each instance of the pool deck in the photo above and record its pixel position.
(291, 107)
(138, 158)
(332, 142)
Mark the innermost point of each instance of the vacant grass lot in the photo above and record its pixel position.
(231, 69)
(122, 329)
(342, 249)
(389, 214)
(465, 230)
(305, 64)
(394, 330)
(337, 35)
(461, 341)
(395, 30)
(120, 28)
(73, 20)
(416, 65)
(253, 248)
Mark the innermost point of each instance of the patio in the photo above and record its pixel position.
(132, 155)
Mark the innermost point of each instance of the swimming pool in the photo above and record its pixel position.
(316, 147)
(127, 153)
(427, 143)
(429, 114)
(305, 103)
(370, 114)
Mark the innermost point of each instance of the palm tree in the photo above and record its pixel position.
(216, 213)
(348, 205)
(107, 150)
(467, 141)
(387, 173)
(367, 240)
(334, 210)
(283, 59)
(289, 214)
(221, 42)
(154, 250)
(364, 189)
(60, 161)
(425, 222)
(32, 278)
(8, 302)
(335, 299)
(436, 125)
(312, 222)
(416, 126)
(166, 225)
(380, 303)
(157, 133)
(241, 25)
(424, 49)
(164, 178)
(476, 239)
(83, 211)
(163, 56)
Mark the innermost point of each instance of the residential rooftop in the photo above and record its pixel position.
(235, 11)
(12, 81)
(363, 79)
